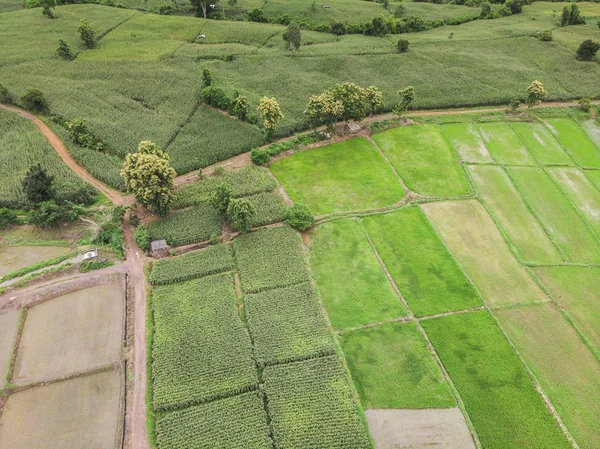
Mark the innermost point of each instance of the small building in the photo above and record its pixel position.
(158, 246)
(353, 127)
(90, 254)
(201, 36)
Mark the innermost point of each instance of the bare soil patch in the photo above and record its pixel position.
(80, 413)
(419, 429)
(14, 258)
(8, 327)
(77, 332)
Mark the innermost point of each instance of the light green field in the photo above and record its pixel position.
(466, 141)
(577, 143)
(482, 252)
(352, 284)
(581, 192)
(542, 144)
(594, 176)
(424, 160)
(345, 176)
(560, 220)
(392, 367)
(577, 289)
(504, 145)
(509, 209)
(502, 402)
(428, 277)
(8, 328)
(592, 128)
(565, 368)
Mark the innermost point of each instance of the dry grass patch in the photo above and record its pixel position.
(504, 145)
(13, 258)
(467, 142)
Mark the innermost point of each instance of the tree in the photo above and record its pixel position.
(64, 50)
(535, 94)
(402, 45)
(87, 33)
(48, 8)
(34, 100)
(240, 106)
(38, 185)
(240, 212)
(202, 6)
(399, 11)
(292, 36)
(514, 6)
(587, 50)
(585, 104)
(142, 237)
(7, 218)
(571, 15)
(221, 198)
(377, 27)
(299, 217)
(206, 78)
(323, 110)
(338, 28)
(148, 175)
(407, 96)
(272, 115)
(353, 99)
(514, 105)
(49, 214)
(257, 15)
(374, 98)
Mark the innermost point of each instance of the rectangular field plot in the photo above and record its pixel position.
(501, 400)
(287, 324)
(345, 176)
(504, 145)
(581, 192)
(594, 176)
(542, 144)
(563, 365)
(270, 258)
(578, 144)
(424, 160)
(9, 323)
(269, 207)
(236, 422)
(392, 367)
(13, 258)
(506, 205)
(352, 284)
(200, 349)
(577, 290)
(474, 239)
(77, 413)
(467, 142)
(311, 406)
(77, 332)
(564, 225)
(592, 128)
(427, 275)
(211, 260)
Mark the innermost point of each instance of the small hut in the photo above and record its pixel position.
(159, 246)
(352, 127)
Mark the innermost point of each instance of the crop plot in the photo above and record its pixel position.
(311, 405)
(81, 412)
(581, 192)
(542, 144)
(578, 144)
(577, 289)
(270, 258)
(9, 323)
(352, 284)
(73, 333)
(345, 176)
(482, 252)
(593, 131)
(392, 367)
(424, 160)
(502, 402)
(563, 365)
(13, 258)
(504, 145)
(235, 422)
(567, 229)
(270, 208)
(594, 176)
(200, 350)
(506, 205)
(467, 142)
(287, 324)
(428, 277)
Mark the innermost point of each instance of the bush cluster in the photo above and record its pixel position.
(260, 156)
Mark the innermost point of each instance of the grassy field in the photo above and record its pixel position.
(392, 368)
(577, 143)
(342, 177)
(541, 143)
(576, 290)
(506, 205)
(467, 142)
(502, 402)
(8, 328)
(504, 145)
(424, 160)
(594, 176)
(563, 365)
(482, 252)
(353, 286)
(428, 277)
(53, 346)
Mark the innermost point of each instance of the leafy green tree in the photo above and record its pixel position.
(514, 6)
(148, 175)
(407, 97)
(571, 15)
(353, 99)
(323, 110)
(292, 36)
(535, 94)
(64, 50)
(374, 98)
(377, 27)
(206, 78)
(402, 45)
(299, 217)
(240, 106)
(272, 115)
(257, 15)
(201, 6)
(34, 100)
(48, 8)
(49, 214)
(221, 198)
(338, 28)
(514, 105)
(38, 185)
(587, 50)
(142, 237)
(585, 104)
(545, 35)
(240, 212)
(7, 218)
(87, 33)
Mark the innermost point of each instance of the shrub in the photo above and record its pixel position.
(5, 96)
(34, 100)
(165, 10)
(142, 237)
(257, 15)
(38, 185)
(545, 35)
(239, 107)
(81, 135)
(514, 104)
(90, 265)
(571, 15)
(221, 198)
(87, 33)
(215, 96)
(587, 50)
(338, 28)
(49, 214)
(299, 217)
(7, 218)
(402, 45)
(64, 50)
(241, 212)
(219, 170)
(206, 78)
(260, 156)
(585, 104)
